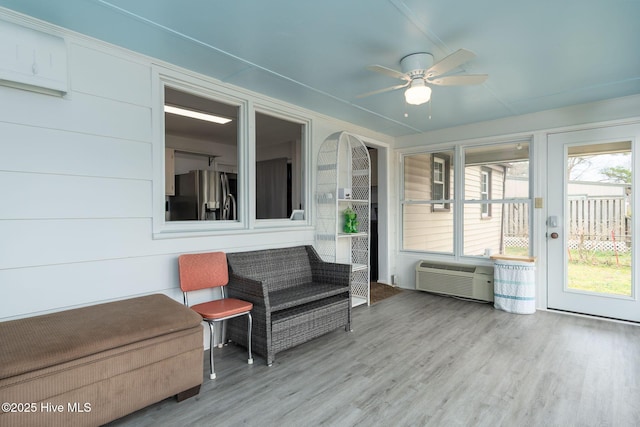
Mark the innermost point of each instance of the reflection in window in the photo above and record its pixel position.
(279, 184)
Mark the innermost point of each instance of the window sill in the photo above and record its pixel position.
(179, 231)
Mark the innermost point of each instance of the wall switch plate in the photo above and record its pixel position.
(537, 203)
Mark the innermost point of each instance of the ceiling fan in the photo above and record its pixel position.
(419, 73)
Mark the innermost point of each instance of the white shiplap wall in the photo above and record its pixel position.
(76, 186)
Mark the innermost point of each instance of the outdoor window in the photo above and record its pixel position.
(441, 173)
(490, 216)
(496, 199)
(485, 191)
(427, 209)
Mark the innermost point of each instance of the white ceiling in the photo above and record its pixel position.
(539, 55)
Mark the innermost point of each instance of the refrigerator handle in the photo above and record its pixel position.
(230, 207)
(224, 183)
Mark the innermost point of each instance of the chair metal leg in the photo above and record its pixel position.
(212, 375)
(223, 340)
(250, 361)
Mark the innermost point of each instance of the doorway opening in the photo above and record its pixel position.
(373, 228)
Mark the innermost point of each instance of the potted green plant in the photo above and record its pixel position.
(350, 221)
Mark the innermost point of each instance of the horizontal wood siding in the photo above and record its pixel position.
(77, 174)
(480, 232)
(424, 229)
(62, 152)
(417, 177)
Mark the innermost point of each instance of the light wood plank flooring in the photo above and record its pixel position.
(422, 360)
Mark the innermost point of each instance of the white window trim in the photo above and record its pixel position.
(246, 222)
(304, 160)
(440, 161)
(485, 192)
(459, 185)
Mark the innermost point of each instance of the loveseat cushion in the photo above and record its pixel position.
(302, 294)
(37, 342)
(278, 269)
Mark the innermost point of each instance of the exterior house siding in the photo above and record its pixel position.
(480, 232)
(427, 229)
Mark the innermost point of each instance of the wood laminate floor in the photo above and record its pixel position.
(422, 360)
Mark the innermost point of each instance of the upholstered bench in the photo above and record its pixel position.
(92, 365)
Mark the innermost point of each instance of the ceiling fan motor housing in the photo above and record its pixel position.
(415, 64)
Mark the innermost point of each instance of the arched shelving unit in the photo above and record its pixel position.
(343, 181)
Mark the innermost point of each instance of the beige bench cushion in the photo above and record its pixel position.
(37, 342)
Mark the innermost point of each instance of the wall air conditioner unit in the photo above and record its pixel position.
(467, 281)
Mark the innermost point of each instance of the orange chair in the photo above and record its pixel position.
(209, 270)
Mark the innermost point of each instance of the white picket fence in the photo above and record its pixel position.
(594, 224)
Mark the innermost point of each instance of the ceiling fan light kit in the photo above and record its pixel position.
(418, 92)
(419, 73)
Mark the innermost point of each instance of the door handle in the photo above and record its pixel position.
(554, 235)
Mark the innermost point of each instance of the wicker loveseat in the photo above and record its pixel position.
(296, 297)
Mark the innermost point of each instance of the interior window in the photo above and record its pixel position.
(279, 186)
(201, 158)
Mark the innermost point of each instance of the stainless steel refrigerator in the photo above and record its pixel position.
(204, 195)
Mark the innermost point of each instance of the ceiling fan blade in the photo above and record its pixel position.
(387, 89)
(467, 79)
(388, 72)
(450, 62)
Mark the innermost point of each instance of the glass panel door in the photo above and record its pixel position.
(589, 228)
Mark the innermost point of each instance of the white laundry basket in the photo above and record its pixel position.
(514, 287)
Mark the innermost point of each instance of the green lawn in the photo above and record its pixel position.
(600, 278)
(600, 272)
(516, 251)
(595, 271)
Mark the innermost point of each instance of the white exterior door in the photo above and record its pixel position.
(591, 266)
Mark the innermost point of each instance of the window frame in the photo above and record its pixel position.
(246, 221)
(485, 194)
(445, 161)
(305, 165)
(458, 188)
